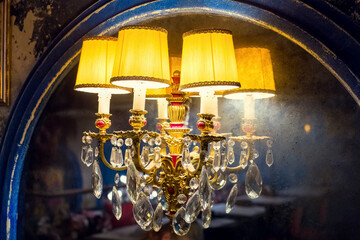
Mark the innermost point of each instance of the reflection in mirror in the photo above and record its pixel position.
(310, 192)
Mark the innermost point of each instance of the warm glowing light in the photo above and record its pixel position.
(208, 61)
(307, 128)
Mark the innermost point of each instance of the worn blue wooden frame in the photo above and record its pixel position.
(332, 38)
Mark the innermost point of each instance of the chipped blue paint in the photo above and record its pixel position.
(291, 18)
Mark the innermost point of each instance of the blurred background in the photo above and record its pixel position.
(310, 192)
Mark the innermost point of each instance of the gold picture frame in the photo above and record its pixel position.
(5, 52)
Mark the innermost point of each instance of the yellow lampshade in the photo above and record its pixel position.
(208, 61)
(255, 74)
(142, 58)
(95, 66)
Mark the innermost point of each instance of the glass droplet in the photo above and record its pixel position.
(231, 143)
(120, 142)
(151, 142)
(233, 178)
(185, 160)
(83, 153)
(113, 140)
(88, 139)
(255, 153)
(194, 183)
(96, 152)
(83, 139)
(113, 157)
(204, 188)
(128, 142)
(244, 145)
(269, 143)
(162, 201)
(132, 182)
(145, 156)
(97, 180)
(143, 211)
(192, 208)
(158, 141)
(158, 216)
(128, 156)
(147, 227)
(206, 217)
(223, 163)
(231, 200)
(187, 141)
(243, 159)
(180, 226)
(116, 203)
(269, 158)
(223, 143)
(89, 156)
(230, 155)
(117, 178)
(253, 181)
(217, 160)
(145, 138)
(216, 145)
(181, 198)
(220, 181)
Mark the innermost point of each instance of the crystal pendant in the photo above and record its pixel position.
(162, 200)
(230, 203)
(204, 189)
(217, 160)
(269, 158)
(230, 155)
(88, 139)
(180, 226)
(194, 183)
(253, 181)
(243, 159)
(147, 227)
(83, 153)
(97, 181)
(116, 158)
(145, 156)
(143, 211)
(117, 178)
(206, 217)
(113, 140)
(128, 156)
(220, 181)
(186, 161)
(223, 162)
(192, 208)
(132, 182)
(157, 157)
(181, 198)
(158, 216)
(89, 156)
(116, 203)
(233, 178)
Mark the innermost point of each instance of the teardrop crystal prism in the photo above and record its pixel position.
(145, 156)
(97, 180)
(116, 203)
(192, 208)
(269, 158)
(158, 216)
(132, 182)
(220, 181)
(180, 226)
(143, 211)
(204, 188)
(89, 156)
(253, 181)
(231, 200)
(217, 160)
(243, 159)
(206, 217)
(128, 156)
(147, 227)
(185, 160)
(230, 155)
(83, 153)
(115, 158)
(162, 200)
(223, 162)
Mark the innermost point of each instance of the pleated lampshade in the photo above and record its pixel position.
(208, 61)
(95, 66)
(142, 58)
(255, 74)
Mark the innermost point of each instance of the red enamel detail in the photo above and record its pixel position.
(217, 126)
(100, 123)
(158, 126)
(176, 79)
(176, 103)
(248, 128)
(145, 122)
(171, 191)
(201, 125)
(176, 125)
(176, 95)
(174, 158)
(130, 121)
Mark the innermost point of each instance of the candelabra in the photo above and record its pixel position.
(163, 162)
